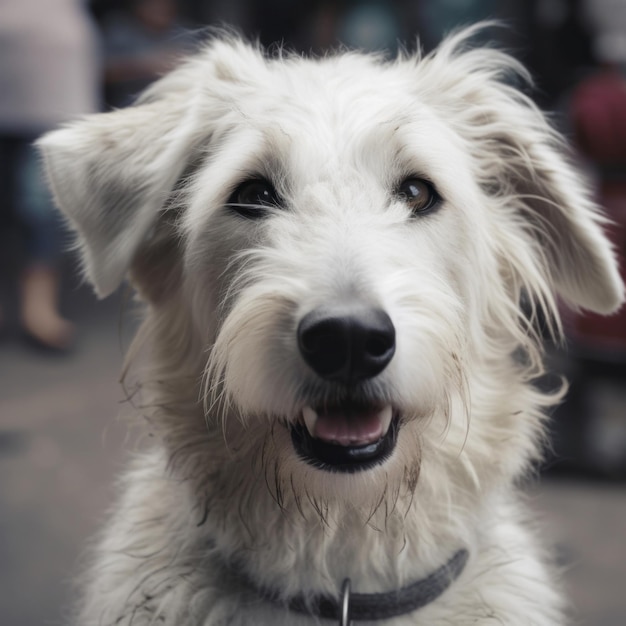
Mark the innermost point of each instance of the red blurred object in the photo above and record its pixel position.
(599, 118)
(599, 121)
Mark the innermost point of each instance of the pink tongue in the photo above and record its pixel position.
(349, 429)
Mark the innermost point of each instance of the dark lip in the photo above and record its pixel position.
(347, 459)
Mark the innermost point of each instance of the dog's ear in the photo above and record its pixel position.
(564, 220)
(112, 173)
(522, 162)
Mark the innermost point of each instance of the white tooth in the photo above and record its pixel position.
(385, 418)
(310, 418)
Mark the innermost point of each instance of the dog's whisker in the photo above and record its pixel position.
(295, 493)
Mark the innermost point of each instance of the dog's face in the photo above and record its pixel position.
(349, 241)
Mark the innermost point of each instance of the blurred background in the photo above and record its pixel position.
(61, 350)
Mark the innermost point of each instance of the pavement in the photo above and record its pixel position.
(61, 446)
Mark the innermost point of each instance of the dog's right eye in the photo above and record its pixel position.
(419, 194)
(252, 198)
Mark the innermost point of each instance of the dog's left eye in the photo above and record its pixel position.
(419, 194)
(252, 197)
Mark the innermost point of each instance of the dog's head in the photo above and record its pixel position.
(348, 241)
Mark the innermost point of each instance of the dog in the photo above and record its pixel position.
(342, 262)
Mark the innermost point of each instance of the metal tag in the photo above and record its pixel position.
(345, 604)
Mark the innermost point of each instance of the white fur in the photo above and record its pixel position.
(145, 189)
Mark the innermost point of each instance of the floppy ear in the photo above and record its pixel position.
(111, 174)
(523, 164)
(565, 221)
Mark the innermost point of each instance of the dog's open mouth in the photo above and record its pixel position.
(345, 438)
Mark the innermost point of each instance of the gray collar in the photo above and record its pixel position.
(349, 606)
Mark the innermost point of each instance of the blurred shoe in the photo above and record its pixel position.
(41, 322)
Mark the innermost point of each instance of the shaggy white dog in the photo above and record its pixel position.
(332, 255)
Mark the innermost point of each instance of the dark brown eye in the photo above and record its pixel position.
(252, 198)
(419, 194)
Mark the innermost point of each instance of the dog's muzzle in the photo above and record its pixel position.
(346, 348)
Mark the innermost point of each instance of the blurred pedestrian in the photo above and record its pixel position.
(48, 75)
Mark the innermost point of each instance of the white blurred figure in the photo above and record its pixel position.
(48, 75)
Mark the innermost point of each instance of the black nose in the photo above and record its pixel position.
(347, 347)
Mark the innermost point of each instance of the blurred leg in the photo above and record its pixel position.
(40, 280)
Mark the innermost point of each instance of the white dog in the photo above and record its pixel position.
(332, 255)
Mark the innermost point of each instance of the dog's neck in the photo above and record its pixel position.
(349, 605)
(314, 546)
